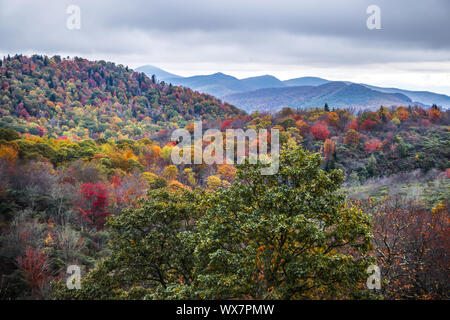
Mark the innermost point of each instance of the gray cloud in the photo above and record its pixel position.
(327, 33)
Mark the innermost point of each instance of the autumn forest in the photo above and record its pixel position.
(86, 179)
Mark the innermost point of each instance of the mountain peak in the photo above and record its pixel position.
(160, 74)
(264, 81)
(222, 76)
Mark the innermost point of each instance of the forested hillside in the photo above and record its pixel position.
(79, 99)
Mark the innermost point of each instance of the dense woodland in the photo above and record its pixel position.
(82, 99)
(87, 179)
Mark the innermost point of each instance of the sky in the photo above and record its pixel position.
(243, 38)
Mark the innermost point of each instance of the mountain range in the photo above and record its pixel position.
(268, 93)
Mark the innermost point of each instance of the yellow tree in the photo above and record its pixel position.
(351, 137)
(213, 183)
(227, 171)
(9, 154)
(171, 172)
(333, 119)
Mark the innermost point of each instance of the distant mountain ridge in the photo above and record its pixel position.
(305, 81)
(334, 93)
(269, 93)
(219, 84)
(266, 81)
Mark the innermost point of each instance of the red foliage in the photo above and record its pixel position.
(226, 124)
(34, 265)
(320, 130)
(116, 183)
(41, 131)
(21, 111)
(171, 144)
(368, 125)
(373, 145)
(93, 204)
(353, 125)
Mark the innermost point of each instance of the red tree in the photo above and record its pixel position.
(368, 125)
(226, 124)
(353, 125)
(34, 265)
(94, 199)
(373, 145)
(320, 130)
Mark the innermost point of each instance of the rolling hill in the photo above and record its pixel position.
(339, 94)
(79, 98)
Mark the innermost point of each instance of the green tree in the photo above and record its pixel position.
(8, 134)
(372, 165)
(189, 176)
(151, 251)
(289, 235)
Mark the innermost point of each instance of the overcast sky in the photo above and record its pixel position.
(285, 38)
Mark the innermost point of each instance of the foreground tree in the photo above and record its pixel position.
(289, 235)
